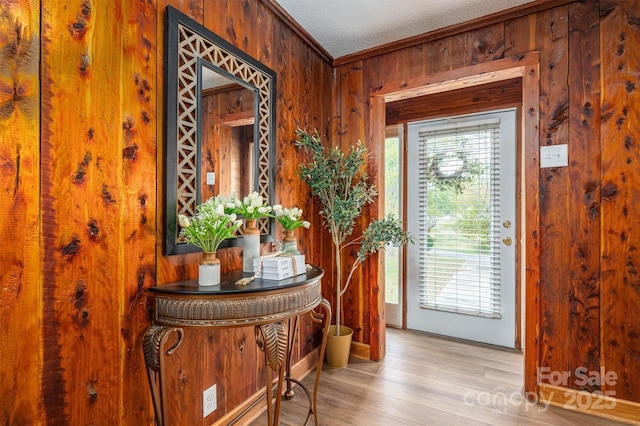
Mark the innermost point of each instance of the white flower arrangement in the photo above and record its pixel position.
(211, 225)
(290, 219)
(251, 207)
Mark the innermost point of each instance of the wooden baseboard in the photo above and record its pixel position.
(360, 350)
(252, 407)
(594, 404)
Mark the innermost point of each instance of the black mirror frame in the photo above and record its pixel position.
(265, 179)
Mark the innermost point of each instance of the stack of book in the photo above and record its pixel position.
(280, 267)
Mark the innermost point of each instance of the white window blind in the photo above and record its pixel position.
(459, 218)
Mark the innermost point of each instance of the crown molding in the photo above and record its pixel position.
(505, 15)
(502, 16)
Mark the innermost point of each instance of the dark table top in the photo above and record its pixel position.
(228, 284)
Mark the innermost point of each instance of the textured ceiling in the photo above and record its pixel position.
(343, 27)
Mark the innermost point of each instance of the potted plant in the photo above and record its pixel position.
(343, 188)
(210, 226)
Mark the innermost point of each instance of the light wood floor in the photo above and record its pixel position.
(428, 381)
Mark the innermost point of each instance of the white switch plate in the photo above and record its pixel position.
(554, 156)
(211, 178)
(209, 401)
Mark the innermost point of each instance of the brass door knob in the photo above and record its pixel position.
(507, 241)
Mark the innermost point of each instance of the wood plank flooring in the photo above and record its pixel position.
(425, 380)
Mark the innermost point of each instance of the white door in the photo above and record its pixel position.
(461, 181)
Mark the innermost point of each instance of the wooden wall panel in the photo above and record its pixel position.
(309, 91)
(352, 130)
(184, 379)
(390, 64)
(84, 242)
(289, 95)
(484, 44)
(241, 362)
(415, 65)
(265, 24)
(620, 293)
(445, 54)
(215, 344)
(139, 158)
(519, 35)
(552, 42)
(20, 274)
(241, 28)
(584, 199)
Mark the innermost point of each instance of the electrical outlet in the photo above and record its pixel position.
(209, 401)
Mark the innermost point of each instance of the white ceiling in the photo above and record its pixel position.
(343, 27)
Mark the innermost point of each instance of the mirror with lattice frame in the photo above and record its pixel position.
(201, 66)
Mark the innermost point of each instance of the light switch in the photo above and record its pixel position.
(211, 178)
(554, 156)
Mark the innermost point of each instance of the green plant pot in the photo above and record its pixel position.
(338, 347)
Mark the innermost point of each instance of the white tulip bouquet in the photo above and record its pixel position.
(290, 219)
(211, 225)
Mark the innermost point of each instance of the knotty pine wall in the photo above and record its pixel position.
(81, 171)
(82, 132)
(589, 287)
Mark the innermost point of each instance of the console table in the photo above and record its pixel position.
(271, 306)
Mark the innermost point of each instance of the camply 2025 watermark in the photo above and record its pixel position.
(502, 401)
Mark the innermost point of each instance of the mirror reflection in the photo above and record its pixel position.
(228, 136)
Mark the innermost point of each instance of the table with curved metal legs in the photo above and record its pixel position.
(272, 307)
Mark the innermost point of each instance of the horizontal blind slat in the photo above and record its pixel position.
(455, 278)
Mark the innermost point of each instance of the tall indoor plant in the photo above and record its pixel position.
(340, 182)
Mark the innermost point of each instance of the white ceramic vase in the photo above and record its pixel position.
(250, 246)
(209, 270)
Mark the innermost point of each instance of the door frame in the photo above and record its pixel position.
(398, 312)
(526, 67)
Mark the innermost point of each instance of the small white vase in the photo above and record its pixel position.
(209, 270)
(250, 246)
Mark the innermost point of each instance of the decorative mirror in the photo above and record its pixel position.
(219, 125)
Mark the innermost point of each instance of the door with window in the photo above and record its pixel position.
(461, 183)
